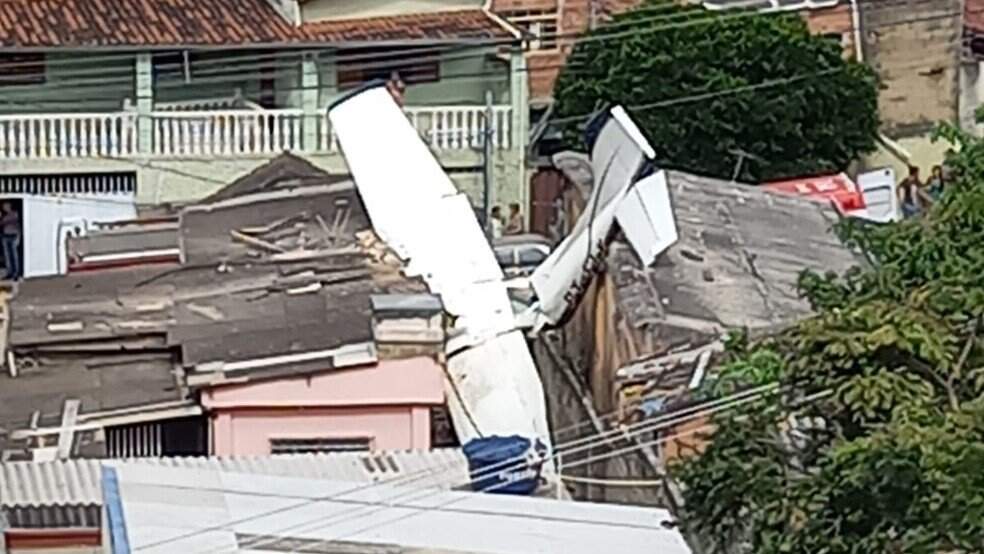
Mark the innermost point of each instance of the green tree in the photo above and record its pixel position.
(886, 384)
(704, 85)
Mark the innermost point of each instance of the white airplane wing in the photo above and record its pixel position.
(644, 213)
(494, 387)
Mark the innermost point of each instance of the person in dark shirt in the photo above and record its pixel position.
(936, 183)
(912, 197)
(11, 227)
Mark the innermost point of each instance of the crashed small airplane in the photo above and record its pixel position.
(494, 388)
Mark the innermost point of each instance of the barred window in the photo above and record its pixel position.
(319, 444)
(543, 25)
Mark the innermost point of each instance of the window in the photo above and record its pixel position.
(357, 66)
(22, 69)
(320, 444)
(541, 24)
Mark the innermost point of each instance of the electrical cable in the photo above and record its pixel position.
(577, 445)
(292, 72)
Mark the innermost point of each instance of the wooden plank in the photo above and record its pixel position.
(66, 435)
(255, 242)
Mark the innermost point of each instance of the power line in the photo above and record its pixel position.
(292, 72)
(590, 459)
(520, 462)
(220, 145)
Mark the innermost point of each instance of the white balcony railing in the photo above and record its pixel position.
(67, 135)
(226, 132)
(446, 127)
(238, 132)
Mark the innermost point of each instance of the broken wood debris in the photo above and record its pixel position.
(255, 242)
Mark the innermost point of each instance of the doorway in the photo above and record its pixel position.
(12, 237)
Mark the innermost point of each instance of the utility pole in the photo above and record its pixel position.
(487, 136)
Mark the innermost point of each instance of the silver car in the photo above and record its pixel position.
(519, 255)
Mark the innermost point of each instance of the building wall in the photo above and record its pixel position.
(74, 82)
(320, 10)
(465, 78)
(248, 432)
(186, 180)
(388, 402)
(44, 242)
(915, 48)
(578, 16)
(971, 95)
(836, 20)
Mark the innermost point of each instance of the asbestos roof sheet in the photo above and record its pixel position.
(741, 251)
(105, 23)
(736, 264)
(178, 509)
(78, 482)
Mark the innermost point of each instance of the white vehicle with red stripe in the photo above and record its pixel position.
(872, 197)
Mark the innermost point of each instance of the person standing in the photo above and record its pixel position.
(515, 224)
(912, 197)
(11, 227)
(936, 183)
(496, 222)
(396, 87)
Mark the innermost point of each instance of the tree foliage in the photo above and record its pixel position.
(704, 86)
(892, 462)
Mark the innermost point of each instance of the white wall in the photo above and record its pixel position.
(43, 247)
(971, 95)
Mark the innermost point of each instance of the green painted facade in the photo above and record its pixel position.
(105, 82)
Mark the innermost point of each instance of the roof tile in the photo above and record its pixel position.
(101, 23)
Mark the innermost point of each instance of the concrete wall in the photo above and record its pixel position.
(44, 242)
(920, 151)
(915, 47)
(388, 402)
(320, 10)
(248, 432)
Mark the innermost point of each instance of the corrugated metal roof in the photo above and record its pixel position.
(78, 482)
(167, 510)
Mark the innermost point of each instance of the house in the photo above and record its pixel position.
(643, 337)
(131, 103)
(551, 28)
(971, 64)
(158, 509)
(283, 326)
(59, 505)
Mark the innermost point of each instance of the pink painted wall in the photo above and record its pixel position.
(389, 402)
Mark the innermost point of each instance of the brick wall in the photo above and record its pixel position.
(833, 20)
(915, 48)
(575, 18)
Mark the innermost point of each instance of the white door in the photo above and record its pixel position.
(880, 199)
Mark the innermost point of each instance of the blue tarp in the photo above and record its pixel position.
(504, 465)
